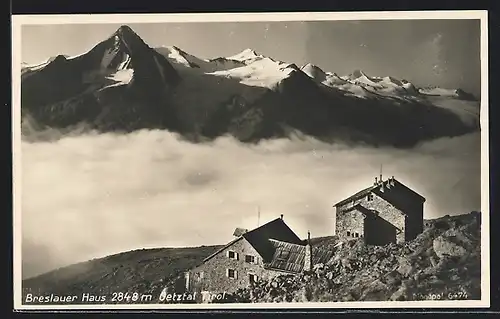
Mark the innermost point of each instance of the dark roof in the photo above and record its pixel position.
(392, 194)
(287, 257)
(373, 215)
(363, 210)
(367, 212)
(359, 194)
(290, 257)
(259, 238)
(275, 229)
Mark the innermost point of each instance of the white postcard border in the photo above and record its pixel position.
(19, 20)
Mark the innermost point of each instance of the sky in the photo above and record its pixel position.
(442, 53)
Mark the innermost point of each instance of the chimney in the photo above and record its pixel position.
(382, 187)
(188, 281)
(281, 216)
(308, 257)
(375, 184)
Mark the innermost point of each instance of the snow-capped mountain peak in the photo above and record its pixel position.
(247, 54)
(123, 84)
(263, 72)
(356, 74)
(314, 72)
(177, 55)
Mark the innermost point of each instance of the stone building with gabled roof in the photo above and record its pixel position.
(267, 251)
(386, 212)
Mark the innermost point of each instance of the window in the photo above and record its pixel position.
(369, 197)
(252, 278)
(250, 259)
(357, 235)
(231, 273)
(348, 233)
(232, 255)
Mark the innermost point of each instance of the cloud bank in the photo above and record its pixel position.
(97, 194)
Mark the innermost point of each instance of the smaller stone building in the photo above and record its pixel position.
(262, 253)
(385, 212)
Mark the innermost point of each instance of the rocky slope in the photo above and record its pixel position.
(442, 262)
(122, 84)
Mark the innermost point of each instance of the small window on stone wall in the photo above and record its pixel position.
(357, 235)
(231, 273)
(348, 233)
(250, 259)
(369, 197)
(232, 255)
(252, 278)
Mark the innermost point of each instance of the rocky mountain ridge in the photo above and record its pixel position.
(122, 84)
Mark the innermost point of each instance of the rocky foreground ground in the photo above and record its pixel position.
(442, 263)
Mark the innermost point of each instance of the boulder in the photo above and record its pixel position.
(376, 290)
(401, 294)
(444, 247)
(405, 267)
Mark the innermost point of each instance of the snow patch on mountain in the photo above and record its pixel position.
(264, 72)
(245, 55)
(122, 77)
(182, 59)
(176, 55)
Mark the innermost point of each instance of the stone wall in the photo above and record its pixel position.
(388, 212)
(348, 224)
(353, 221)
(212, 275)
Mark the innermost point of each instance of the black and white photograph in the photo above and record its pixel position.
(217, 161)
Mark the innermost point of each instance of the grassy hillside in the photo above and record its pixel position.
(442, 262)
(142, 271)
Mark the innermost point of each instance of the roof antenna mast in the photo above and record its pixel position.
(381, 172)
(258, 216)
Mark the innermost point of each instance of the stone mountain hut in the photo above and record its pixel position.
(267, 251)
(385, 212)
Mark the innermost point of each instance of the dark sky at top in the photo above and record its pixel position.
(427, 52)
